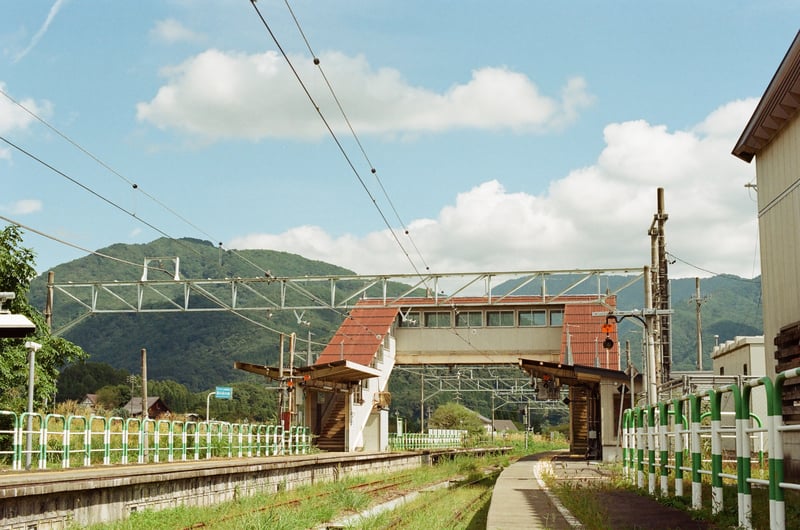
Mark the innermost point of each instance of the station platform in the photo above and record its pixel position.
(521, 499)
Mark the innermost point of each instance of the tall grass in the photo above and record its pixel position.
(307, 506)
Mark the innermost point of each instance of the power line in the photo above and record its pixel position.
(90, 190)
(136, 187)
(67, 243)
(133, 184)
(112, 203)
(333, 135)
(673, 256)
(374, 171)
(138, 266)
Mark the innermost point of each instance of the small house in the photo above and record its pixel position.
(155, 407)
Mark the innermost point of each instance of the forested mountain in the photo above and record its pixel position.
(198, 349)
(730, 307)
(195, 349)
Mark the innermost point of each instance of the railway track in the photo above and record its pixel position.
(363, 500)
(372, 488)
(471, 494)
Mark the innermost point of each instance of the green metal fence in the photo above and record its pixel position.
(415, 441)
(677, 437)
(56, 441)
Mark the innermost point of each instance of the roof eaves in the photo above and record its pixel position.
(778, 105)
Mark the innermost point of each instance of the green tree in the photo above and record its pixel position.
(454, 416)
(251, 402)
(16, 272)
(174, 395)
(81, 378)
(112, 397)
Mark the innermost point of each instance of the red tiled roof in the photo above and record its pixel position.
(586, 333)
(362, 332)
(407, 302)
(360, 335)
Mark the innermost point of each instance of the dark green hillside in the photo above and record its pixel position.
(198, 349)
(732, 308)
(194, 349)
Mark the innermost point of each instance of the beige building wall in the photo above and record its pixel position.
(476, 345)
(743, 356)
(778, 173)
(772, 137)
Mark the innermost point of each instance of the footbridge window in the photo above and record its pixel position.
(500, 318)
(438, 319)
(508, 318)
(532, 318)
(469, 319)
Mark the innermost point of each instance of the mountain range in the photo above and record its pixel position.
(198, 349)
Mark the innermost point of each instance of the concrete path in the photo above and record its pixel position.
(521, 500)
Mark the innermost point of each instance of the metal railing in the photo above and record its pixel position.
(667, 430)
(415, 441)
(57, 441)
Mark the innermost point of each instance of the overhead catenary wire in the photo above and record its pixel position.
(135, 186)
(90, 190)
(138, 188)
(67, 243)
(88, 153)
(117, 206)
(333, 135)
(139, 266)
(673, 256)
(110, 202)
(356, 138)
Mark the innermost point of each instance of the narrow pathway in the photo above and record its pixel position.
(521, 500)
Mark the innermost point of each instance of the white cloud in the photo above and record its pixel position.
(235, 95)
(23, 207)
(597, 216)
(12, 116)
(51, 15)
(171, 31)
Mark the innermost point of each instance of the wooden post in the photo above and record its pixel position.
(48, 306)
(144, 384)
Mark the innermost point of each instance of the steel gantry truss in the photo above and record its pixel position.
(270, 293)
(505, 384)
(498, 379)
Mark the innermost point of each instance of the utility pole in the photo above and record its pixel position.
(309, 361)
(699, 301)
(647, 317)
(650, 329)
(569, 344)
(144, 405)
(144, 384)
(632, 370)
(422, 402)
(292, 396)
(48, 305)
(660, 289)
(282, 405)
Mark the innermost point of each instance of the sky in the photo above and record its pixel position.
(432, 136)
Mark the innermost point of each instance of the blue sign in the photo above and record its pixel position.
(224, 392)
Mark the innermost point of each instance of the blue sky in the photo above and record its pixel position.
(506, 136)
